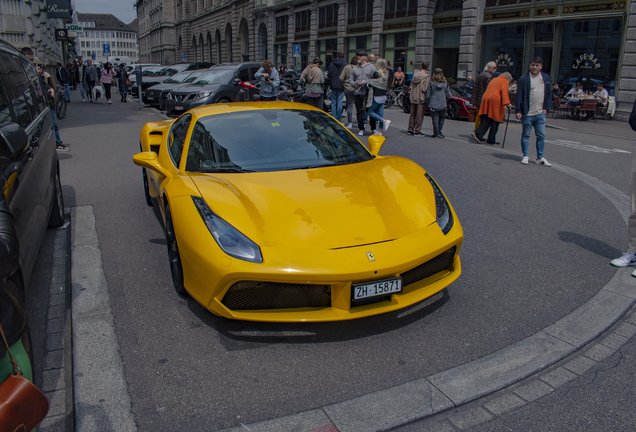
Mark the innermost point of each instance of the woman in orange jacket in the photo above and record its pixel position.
(493, 108)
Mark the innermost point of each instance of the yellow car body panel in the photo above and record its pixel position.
(315, 226)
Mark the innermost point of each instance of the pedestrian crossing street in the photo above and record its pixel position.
(586, 147)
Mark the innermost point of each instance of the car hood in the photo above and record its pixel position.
(164, 86)
(325, 208)
(196, 89)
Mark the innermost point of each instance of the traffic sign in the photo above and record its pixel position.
(106, 48)
(296, 50)
(183, 58)
(92, 56)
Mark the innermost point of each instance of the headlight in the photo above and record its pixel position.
(170, 96)
(444, 215)
(229, 239)
(202, 95)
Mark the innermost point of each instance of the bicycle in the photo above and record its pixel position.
(395, 96)
(60, 102)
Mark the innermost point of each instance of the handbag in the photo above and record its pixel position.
(23, 406)
(128, 83)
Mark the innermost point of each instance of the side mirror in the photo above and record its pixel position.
(14, 142)
(149, 160)
(237, 81)
(375, 144)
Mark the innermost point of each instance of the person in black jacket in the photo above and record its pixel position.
(63, 79)
(12, 315)
(337, 91)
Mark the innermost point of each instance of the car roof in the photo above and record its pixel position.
(235, 65)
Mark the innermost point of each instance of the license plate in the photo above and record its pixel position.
(149, 97)
(178, 108)
(378, 288)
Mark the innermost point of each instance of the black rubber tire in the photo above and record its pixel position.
(399, 100)
(56, 219)
(389, 100)
(61, 108)
(176, 269)
(406, 104)
(452, 111)
(146, 187)
(223, 100)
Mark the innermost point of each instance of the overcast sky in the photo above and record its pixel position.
(122, 9)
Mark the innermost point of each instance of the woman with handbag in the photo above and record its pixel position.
(122, 82)
(106, 79)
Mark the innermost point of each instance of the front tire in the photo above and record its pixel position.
(176, 269)
(146, 188)
(56, 219)
(452, 111)
(61, 108)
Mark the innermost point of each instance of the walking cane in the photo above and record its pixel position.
(506, 131)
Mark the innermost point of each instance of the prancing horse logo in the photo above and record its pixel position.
(370, 256)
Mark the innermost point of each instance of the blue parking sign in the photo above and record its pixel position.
(296, 50)
(93, 56)
(106, 48)
(183, 58)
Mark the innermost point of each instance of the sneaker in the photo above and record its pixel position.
(349, 126)
(83, 100)
(377, 132)
(435, 135)
(62, 147)
(387, 123)
(634, 273)
(441, 135)
(409, 133)
(628, 259)
(475, 138)
(524, 160)
(361, 133)
(543, 162)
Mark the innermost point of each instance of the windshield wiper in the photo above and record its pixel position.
(315, 166)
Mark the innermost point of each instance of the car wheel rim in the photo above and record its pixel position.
(173, 254)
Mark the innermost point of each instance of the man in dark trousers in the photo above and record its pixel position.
(360, 76)
(337, 92)
(481, 83)
(534, 96)
(62, 78)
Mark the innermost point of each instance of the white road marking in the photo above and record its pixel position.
(586, 147)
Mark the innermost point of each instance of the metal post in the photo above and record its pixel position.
(141, 98)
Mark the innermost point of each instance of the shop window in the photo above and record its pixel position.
(303, 21)
(544, 32)
(282, 25)
(328, 16)
(505, 45)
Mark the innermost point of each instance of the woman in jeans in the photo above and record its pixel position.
(437, 96)
(377, 96)
(107, 80)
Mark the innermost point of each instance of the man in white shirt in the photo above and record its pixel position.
(534, 96)
(601, 95)
(575, 92)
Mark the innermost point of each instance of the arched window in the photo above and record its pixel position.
(228, 42)
(194, 47)
(219, 52)
(244, 40)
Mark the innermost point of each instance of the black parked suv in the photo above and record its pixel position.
(157, 95)
(29, 168)
(167, 72)
(218, 84)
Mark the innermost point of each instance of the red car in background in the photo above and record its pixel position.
(458, 105)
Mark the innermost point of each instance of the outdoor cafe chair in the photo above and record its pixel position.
(559, 106)
(587, 105)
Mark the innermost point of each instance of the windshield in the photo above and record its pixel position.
(178, 78)
(149, 72)
(271, 140)
(218, 76)
(167, 72)
(193, 76)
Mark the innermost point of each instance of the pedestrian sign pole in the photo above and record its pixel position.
(141, 98)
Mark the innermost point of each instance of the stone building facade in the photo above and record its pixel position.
(157, 41)
(578, 39)
(25, 24)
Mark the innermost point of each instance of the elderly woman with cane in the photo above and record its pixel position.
(493, 108)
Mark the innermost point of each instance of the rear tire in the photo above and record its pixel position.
(61, 108)
(56, 219)
(176, 269)
(146, 188)
(452, 111)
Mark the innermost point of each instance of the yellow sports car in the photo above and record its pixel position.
(274, 211)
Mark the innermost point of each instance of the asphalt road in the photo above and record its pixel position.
(537, 245)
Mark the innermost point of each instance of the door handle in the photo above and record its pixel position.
(29, 153)
(35, 141)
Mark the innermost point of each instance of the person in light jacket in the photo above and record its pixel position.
(437, 97)
(91, 76)
(376, 97)
(106, 78)
(419, 85)
(348, 88)
(270, 80)
(314, 78)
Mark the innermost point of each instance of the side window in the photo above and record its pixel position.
(243, 74)
(39, 99)
(18, 89)
(5, 110)
(177, 137)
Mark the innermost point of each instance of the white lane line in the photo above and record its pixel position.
(586, 147)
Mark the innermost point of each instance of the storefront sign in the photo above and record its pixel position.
(328, 33)
(504, 61)
(58, 8)
(61, 34)
(73, 27)
(508, 15)
(455, 20)
(586, 62)
(366, 29)
(399, 26)
(585, 8)
(301, 36)
(545, 12)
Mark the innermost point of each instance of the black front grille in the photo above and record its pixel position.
(252, 295)
(429, 268)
